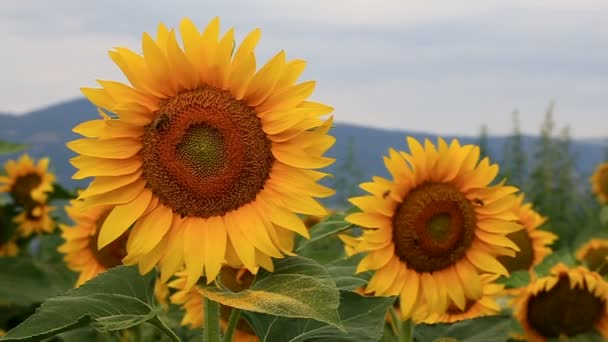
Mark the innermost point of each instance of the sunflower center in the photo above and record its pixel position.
(523, 259)
(563, 310)
(433, 227)
(206, 153)
(23, 186)
(34, 213)
(596, 260)
(112, 254)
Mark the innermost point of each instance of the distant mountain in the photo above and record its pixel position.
(47, 130)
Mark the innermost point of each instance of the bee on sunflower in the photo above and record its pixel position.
(207, 158)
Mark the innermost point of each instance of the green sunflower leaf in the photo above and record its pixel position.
(24, 281)
(59, 192)
(343, 273)
(9, 147)
(117, 299)
(483, 329)
(324, 245)
(298, 288)
(516, 279)
(362, 319)
(563, 255)
(604, 215)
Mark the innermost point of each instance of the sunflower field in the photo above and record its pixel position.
(206, 218)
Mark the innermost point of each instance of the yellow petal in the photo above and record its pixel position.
(122, 217)
(91, 166)
(291, 73)
(98, 97)
(116, 148)
(486, 262)
(121, 195)
(215, 247)
(376, 259)
(105, 184)
(409, 294)
(470, 279)
(194, 256)
(263, 82)
(244, 250)
(288, 98)
(149, 231)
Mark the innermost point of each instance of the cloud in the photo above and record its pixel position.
(440, 66)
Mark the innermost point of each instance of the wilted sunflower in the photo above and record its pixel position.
(595, 254)
(208, 158)
(192, 301)
(35, 219)
(485, 306)
(26, 181)
(568, 302)
(599, 182)
(431, 231)
(80, 246)
(532, 242)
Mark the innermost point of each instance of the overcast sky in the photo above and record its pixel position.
(443, 67)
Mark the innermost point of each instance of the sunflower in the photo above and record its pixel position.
(209, 159)
(431, 231)
(486, 305)
(569, 302)
(80, 247)
(532, 242)
(35, 219)
(595, 255)
(191, 301)
(599, 182)
(26, 181)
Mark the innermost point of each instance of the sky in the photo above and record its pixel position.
(443, 67)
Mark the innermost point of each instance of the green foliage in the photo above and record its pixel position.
(298, 288)
(513, 166)
(24, 281)
(516, 279)
(9, 147)
(117, 299)
(484, 329)
(323, 245)
(348, 176)
(362, 320)
(483, 141)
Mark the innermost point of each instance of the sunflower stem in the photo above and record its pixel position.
(232, 321)
(407, 331)
(211, 316)
(157, 322)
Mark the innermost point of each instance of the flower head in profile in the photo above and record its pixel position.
(80, 247)
(533, 243)
(599, 182)
(594, 254)
(568, 302)
(208, 158)
(435, 227)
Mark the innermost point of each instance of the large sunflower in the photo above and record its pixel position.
(80, 246)
(26, 181)
(191, 301)
(568, 302)
(486, 305)
(595, 254)
(533, 243)
(35, 219)
(599, 182)
(209, 159)
(431, 230)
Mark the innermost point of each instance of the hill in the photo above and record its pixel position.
(47, 130)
